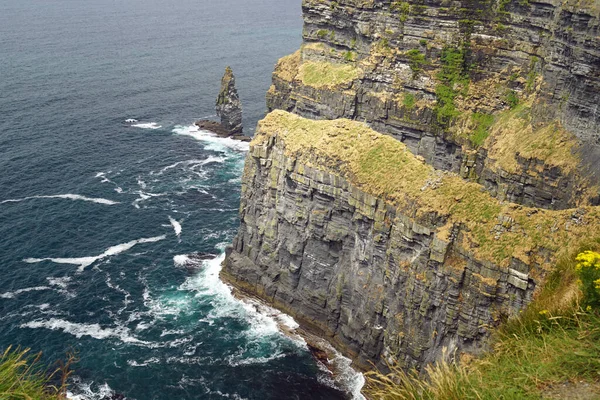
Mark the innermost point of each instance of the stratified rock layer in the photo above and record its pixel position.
(229, 106)
(392, 260)
(427, 71)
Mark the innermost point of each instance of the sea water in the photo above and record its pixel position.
(107, 191)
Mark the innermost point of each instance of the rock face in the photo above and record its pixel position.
(426, 72)
(474, 167)
(351, 234)
(229, 106)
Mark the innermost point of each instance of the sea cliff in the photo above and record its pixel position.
(424, 165)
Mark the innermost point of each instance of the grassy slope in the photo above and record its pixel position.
(551, 351)
(21, 377)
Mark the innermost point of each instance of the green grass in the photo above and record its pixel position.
(482, 122)
(453, 77)
(416, 61)
(409, 101)
(22, 377)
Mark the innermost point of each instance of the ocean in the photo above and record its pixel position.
(112, 232)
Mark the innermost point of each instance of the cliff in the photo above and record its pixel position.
(442, 76)
(347, 231)
(439, 215)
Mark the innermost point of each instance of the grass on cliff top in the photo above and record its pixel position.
(551, 351)
(319, 74)
(383, 167)
(287, 67)
(22, 377)
(513, 133)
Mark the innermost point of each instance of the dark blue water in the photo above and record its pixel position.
(98, 217)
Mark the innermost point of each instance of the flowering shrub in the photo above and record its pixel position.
(588, 269)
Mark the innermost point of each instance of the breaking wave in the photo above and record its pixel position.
(213, 142)
(84, 262)
(147, 125)
(68, 196)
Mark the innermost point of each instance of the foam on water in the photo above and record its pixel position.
(84, 262)
(11, 295)
(68, 196)
(176, 226)
(213, 142)
(86, 392)
(80, 330)
(147, 125)
(190, 164)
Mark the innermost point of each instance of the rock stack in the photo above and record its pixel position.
(229, 110)
(229, 106)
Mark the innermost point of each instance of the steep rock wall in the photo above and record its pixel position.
(543, 54)
(392, 260)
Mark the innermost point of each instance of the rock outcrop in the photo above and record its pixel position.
(229, 106)
(439, 215)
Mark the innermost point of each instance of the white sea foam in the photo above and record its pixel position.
(85, 391)
(80, 330)
(68, 196)
(213, 141)
(102, 175)
(84, 262)
(11, 295)
(131, 120)
(145, 363)
(147, 125)
(265, 322)
(181, 260)
(191, 164)
(176, 226)
(61, 282)
(145, 196)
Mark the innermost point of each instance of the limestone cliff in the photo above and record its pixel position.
(439, 214)
(445, 77)
(358, 239)
(229, 106)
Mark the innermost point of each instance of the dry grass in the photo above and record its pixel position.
(383, 167)
(513, 134)
(287, 67)
(319, 74)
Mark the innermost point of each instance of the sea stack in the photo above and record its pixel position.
(229, 110)
(229, 106)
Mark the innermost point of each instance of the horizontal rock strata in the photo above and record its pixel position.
(387, 257)
(424, 71)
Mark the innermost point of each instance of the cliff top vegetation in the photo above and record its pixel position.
(383, 167)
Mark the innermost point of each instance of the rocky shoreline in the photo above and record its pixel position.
(219, 130)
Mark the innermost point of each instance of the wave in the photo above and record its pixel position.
(213, 141)
(145, 196)
(176, 226)
(86, 392)
(80, 330)
(147, 125)
(11, 295)
(68, 196)
(84, 262)
(191, 163)
(265, 323)
(102, 175)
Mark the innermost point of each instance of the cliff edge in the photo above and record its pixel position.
(473, 169)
